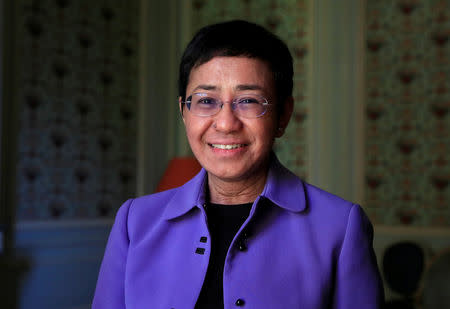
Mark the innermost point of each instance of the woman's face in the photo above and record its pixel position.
(250, 140)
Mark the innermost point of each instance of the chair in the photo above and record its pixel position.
(403, 265)
(436, 282)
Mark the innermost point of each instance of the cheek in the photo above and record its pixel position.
(267, 132)
(190, 131)
(195, 129)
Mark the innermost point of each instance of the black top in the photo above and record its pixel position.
(223, 223)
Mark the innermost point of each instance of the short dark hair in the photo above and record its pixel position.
(239, 38)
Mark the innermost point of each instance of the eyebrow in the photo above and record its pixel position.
(242, 87)
(248, 87)
(205, 87)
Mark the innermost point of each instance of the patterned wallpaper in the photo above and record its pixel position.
(407, 104)
(76, 67)
(77, 77)
(288, 19)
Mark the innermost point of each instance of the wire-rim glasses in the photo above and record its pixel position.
(245, 105)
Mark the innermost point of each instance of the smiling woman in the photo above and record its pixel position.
(245, 231)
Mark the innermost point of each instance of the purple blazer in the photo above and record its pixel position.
(304, 248)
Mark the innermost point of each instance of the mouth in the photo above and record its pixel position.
(227, 146)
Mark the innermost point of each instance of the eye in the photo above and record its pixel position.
(248, 102)
(206, 101)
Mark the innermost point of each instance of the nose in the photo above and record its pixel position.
(226, 121)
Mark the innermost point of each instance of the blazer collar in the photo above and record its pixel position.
(282, 187)
(191, 194)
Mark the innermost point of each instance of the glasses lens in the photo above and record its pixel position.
(246, 105)
(250, 106)
(203, 104)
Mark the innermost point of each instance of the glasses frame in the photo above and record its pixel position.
(234, 103)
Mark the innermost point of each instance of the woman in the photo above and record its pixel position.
(245, 231)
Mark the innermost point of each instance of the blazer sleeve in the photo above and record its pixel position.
(358, 283)
(109, 292)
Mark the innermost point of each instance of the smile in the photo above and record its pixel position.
(227, 147)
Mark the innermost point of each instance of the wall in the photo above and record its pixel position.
(98, 112)
(164, 30)
(63, 261)
(76, 68)
(2, 213)
(406, 114)
(337, 87)
(407, 103)
(75, 87)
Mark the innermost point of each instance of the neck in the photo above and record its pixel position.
(236, 192)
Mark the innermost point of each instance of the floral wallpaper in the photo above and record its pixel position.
(288, 19)
(407, 104)
(76, 77)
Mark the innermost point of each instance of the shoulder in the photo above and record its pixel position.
(309, 202)
(333, 222)
(321, 200)
(332, 212)
(153, 204)
(144, 211)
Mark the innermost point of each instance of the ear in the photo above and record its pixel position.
(180, 106)
(285, 116)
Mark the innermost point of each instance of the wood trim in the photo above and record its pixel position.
(157, 90)
(412, 231)
(66, 224)
(335, 129)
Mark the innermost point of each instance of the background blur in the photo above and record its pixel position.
(89, 118)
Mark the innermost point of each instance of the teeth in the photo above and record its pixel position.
(220, 146)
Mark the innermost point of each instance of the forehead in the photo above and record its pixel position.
(236, 73)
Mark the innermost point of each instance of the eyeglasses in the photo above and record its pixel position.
(245, 105)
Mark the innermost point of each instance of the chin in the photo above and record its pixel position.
(232, 173)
